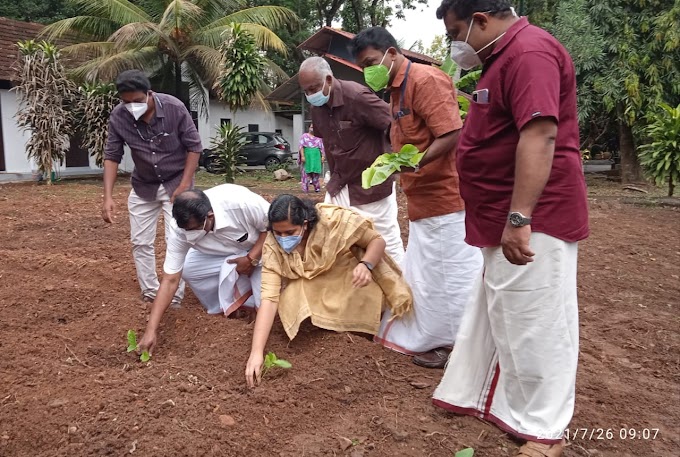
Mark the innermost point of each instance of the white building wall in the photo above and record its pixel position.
(14, 139)
(267, 121)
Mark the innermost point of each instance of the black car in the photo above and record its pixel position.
(260, 148)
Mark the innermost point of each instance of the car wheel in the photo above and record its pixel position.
(271, 162)
(212, 165)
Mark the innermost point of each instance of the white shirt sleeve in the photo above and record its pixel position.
(176, 253)
(256, 212)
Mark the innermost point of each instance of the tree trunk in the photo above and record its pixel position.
(671, 186)
(179, 93)
(630, 164)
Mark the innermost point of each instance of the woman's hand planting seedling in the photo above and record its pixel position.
(387, 164)
(132, 346)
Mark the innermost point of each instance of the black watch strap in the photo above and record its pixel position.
(369, 265)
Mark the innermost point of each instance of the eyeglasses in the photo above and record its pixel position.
(156, 139)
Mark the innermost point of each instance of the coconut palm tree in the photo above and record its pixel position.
(177, 42)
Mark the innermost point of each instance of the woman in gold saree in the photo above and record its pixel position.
(326, 263)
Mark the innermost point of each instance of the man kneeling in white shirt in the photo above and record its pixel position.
(215, 245)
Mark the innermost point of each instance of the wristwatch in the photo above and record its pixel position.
(253, 262)
(518, 219)
(369, 265)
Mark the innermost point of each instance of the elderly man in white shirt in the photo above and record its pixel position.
(215, 245)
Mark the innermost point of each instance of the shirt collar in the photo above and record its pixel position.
(514, 29)
(401, 74)
(336, 98)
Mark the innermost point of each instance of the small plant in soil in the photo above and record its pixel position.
(467, 452)
(271, 361)
(132, 346)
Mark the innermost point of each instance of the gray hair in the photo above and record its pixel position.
(317, 65)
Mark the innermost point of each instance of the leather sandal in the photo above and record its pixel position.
(435, 358)
(534, 449)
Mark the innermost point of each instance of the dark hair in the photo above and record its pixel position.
(375, 37)
(287, 207)
(464, 9)
(191, 204)
(132, 81)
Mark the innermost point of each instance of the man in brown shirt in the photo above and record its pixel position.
(165, 148)
(353, 121)
(439, 266)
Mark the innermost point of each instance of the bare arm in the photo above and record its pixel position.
(533, 163)
(440, 147)
(263, 326)
(188, 176)
(166, 291)
(375, 249)
(110, 174)
(302, 154)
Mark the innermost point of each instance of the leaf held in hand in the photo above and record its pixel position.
(131, 340)
(389, 163)
(467, 452)
(145, 356)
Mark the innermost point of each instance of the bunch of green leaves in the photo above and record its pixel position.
(387, 164)
(468, 82)
(661, 157)
(271, 361)
(241, 69)
(132, 346)
(46, 97)
(227, 145)
(96, 103)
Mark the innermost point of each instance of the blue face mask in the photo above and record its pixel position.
(288, 243)
(318, 98)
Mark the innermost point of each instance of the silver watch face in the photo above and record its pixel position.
(516, 219)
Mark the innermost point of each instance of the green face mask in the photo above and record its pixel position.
(377, 76)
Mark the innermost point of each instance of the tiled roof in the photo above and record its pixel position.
(320, 41)
(11, 32)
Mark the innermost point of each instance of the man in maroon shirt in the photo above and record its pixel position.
(165, 147)
(515, 358)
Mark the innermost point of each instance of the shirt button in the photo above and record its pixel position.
(156, 166)
(159, 176)
(153, 152)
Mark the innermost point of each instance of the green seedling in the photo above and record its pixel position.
(271, 361)
(387, 164)
(467, 452)
(132, 346)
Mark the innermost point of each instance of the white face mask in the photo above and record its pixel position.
(194, 236)
(318, 98)
(465, 55)
(138, 109)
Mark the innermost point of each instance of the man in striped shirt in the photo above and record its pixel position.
(165, 148)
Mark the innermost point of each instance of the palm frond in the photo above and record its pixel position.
(107, 67)
(118, 11)
(276, 70)
(91, 50)
(181, 14)
(259, 102)
(139, 35)
(271, 17)
(208, 58)
(199, 98)
(264, 37)
(215, 9)
(93, 27)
